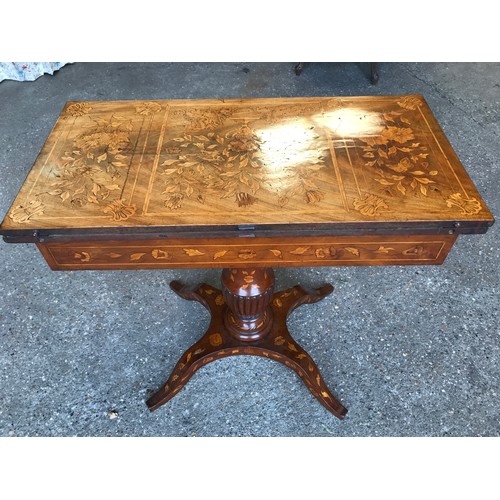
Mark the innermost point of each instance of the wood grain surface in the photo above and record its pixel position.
(238, 328)
(212, 163)
(246, 185)
(244, 252)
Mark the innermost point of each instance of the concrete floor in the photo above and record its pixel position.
(411, 351)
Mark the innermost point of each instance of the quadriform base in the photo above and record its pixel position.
(247, 317)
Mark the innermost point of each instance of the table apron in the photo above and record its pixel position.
(249, 252)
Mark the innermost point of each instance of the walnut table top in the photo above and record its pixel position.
(360, 161)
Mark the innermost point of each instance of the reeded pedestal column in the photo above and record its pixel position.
(248, 295)
(247, 317)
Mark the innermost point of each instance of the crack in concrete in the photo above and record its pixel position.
(442, 94)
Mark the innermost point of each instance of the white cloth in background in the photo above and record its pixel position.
(27, 71)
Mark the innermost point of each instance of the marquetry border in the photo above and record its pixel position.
(246, 252)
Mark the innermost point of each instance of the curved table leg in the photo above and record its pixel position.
(291, 353)
(296, 296)
(202, 293)
(262, 316)
(199, 353)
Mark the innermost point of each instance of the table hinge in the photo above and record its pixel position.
(37, 236)
(246, 231)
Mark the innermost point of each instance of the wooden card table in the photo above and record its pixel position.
(246, 185)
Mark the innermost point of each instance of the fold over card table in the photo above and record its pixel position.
(246, 185)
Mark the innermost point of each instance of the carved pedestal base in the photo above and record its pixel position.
(248, 318)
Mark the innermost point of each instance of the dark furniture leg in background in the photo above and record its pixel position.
(298, 68)
(373, 71)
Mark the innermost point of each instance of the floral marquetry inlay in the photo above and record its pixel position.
(79, 109)
(21, 214)
(304, 161)
(148, 108)
(370, 205)
(237, 165)
(120, 210)
(334, 251)
(468, 206)
(397, 160)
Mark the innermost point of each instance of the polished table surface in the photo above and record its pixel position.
(246, 184)
(301, 163)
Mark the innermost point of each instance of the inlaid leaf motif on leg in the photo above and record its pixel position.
(215, 339)
(278, 302)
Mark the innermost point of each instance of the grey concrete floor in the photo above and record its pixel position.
(411, 351)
